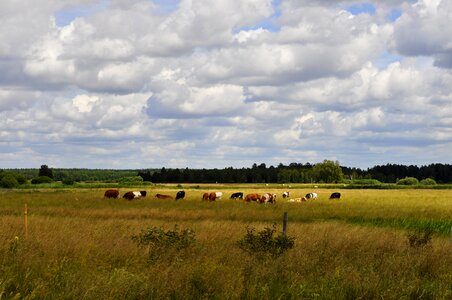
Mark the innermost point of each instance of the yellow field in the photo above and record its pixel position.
(79, 245)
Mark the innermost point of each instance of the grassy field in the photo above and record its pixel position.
(79, 245)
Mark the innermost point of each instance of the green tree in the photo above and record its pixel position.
(9, 181)
(45, 171)
(328, 171)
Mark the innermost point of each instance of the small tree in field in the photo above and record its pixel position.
(45, 171)
(9, 181)
(328, 171)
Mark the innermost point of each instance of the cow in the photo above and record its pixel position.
(298, 200)
(161, 196)
(335, 195)
(111, 194)
(180, 195)
(130, 195)
(268, 198)
(252, 197)
(143, 193)
(286, 194)
(205, 196)
(238, 195)
(215, 195)
(311, 196)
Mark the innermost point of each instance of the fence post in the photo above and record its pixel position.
(26, 220)
(284, 226)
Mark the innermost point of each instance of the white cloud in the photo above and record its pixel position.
(230, 83)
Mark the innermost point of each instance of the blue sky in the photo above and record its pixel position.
(136, 84)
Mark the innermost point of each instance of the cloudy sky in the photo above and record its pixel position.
(218, 83)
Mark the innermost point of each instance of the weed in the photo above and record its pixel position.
(263, 242)
(420, 237)
(160, 241)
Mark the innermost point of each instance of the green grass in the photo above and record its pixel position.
(80, 245)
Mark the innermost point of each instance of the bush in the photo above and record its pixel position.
(366, 181)
(131, 179)
(420, 237)
(161, 242)
(263, 242)
(428, 181)
(9, 181)
(68, 181)
(41, 179)
(408, 181)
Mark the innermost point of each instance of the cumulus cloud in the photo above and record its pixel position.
(423, 30)
(232, 83)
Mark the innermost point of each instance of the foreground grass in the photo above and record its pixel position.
(79, 246)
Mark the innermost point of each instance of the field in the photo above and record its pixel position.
(79, 245)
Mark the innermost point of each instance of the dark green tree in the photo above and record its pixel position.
(45, 171)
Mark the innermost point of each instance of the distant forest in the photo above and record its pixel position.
(292, 173)
(297, 173)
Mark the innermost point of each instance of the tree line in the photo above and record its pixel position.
(324, 172)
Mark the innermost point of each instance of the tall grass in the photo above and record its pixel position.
(80, 246)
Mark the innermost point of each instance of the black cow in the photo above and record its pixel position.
(180, 195)
(335, 195)
(238, 195)
(143, 193)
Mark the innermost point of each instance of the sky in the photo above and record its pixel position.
(122, 84)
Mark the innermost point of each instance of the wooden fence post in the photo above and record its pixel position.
(284, 226)
(26, 220)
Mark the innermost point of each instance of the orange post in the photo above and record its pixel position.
(26, 220)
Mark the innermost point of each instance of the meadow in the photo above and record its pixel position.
(79, 245)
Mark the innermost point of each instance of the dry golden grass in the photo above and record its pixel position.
(79, 246)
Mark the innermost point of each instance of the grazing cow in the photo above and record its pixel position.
(286, 194)
(143, 193)
(311, 196)
(129, 195)
(111, 194)
(335, 195)
(238, 195)
(161, 196)
(180, 195)
(215, 195)
(252, 197)
(205, 196)
(298, 200)
(268, 197)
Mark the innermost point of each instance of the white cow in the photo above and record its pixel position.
(311, 196)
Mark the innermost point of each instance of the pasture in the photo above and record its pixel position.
(79, 245)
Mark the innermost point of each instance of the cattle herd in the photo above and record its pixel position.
(213, 196)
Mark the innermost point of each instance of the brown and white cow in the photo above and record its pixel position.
(286, 194)
(215, 196)
(205, 196)
(111, 194)
(268, 198)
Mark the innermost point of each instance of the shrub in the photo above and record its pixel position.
(428, 181)
(41, 179)
(264, 243)
(160, 241)
(366, 181)
(131, 179)
(420, 237)
(408, 181)
(9, 181)
(68, 181)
